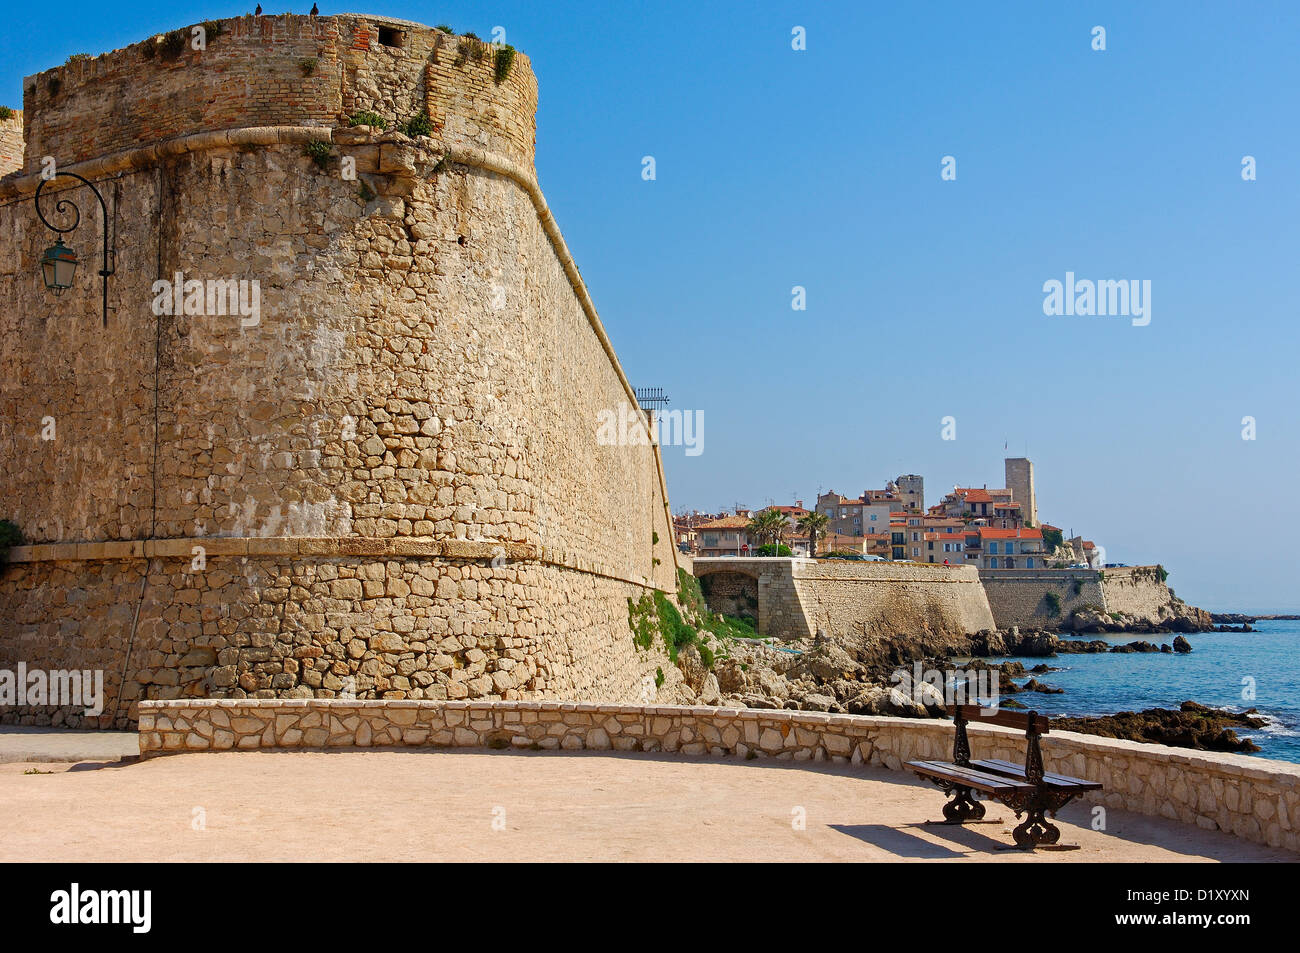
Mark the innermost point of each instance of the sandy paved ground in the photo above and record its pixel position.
(441, 805)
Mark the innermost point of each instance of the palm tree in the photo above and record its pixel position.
(813, 523)
(768, 526)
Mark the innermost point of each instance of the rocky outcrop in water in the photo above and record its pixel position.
(1175, 617)
(1192, 726)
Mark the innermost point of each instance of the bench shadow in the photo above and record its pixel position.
(898, 842)
(974, 838)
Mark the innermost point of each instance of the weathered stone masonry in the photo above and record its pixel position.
(793, 598)
(392, 477)
(1019, 596)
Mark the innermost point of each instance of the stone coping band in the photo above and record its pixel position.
(396, 547)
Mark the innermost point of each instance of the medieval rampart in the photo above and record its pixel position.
(1047, 597)
(384, 479)
(793, 598)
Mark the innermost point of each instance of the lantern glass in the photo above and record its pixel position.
(58, 265)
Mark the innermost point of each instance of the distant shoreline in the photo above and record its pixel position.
(1240, 617)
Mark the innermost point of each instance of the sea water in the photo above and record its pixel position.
(1230, 670)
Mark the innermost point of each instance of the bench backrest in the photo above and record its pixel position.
(1029, 722)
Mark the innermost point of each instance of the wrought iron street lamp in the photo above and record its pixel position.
(59, 262)
(57, 265)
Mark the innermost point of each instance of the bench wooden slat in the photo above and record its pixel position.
(1013, 770)
(1008, 719)
(978, 780)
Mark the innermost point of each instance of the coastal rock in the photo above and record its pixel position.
(882, 701)
(1192, 726)
(987, 643)
(815, 702)
(1139, 646)
(1034, 685)
(1032, 643)
(1181, 645)
(1072, 647)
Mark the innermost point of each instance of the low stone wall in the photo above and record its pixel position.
(1255, 799)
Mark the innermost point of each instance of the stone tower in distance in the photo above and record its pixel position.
(1020, 481)
(911, 488)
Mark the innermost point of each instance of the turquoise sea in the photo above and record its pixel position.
(1215, 673)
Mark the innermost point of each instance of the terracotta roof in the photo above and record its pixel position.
(727, 522)
(1022, 533)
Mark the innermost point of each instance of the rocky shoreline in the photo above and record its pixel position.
(1192, 726)
(861, 675)
(902, 675)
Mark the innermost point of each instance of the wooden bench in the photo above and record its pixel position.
(1026, 789)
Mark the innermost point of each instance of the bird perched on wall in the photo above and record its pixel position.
(258, 11)
(314, 10)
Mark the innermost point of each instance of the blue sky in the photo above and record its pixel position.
(821, 168)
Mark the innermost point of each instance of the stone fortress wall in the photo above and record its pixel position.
(1019, 596)
(389, 484)
(795, 597)
(11, 143)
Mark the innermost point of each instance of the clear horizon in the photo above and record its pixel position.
(822, 168)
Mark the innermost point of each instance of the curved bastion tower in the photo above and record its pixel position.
(339, 434)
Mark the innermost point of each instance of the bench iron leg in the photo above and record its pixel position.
(1036, 830)
(962, 807)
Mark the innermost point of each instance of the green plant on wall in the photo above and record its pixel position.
(417, 125)
(365, 117)
(502, 61)
(318, 152)
(1053, 603)
(173, 44)
(1078, 586)
(6, 113)
(76, 58)
(307, 65)
(659, 678)
(674, 631)
(641, 620)
(10, 536)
